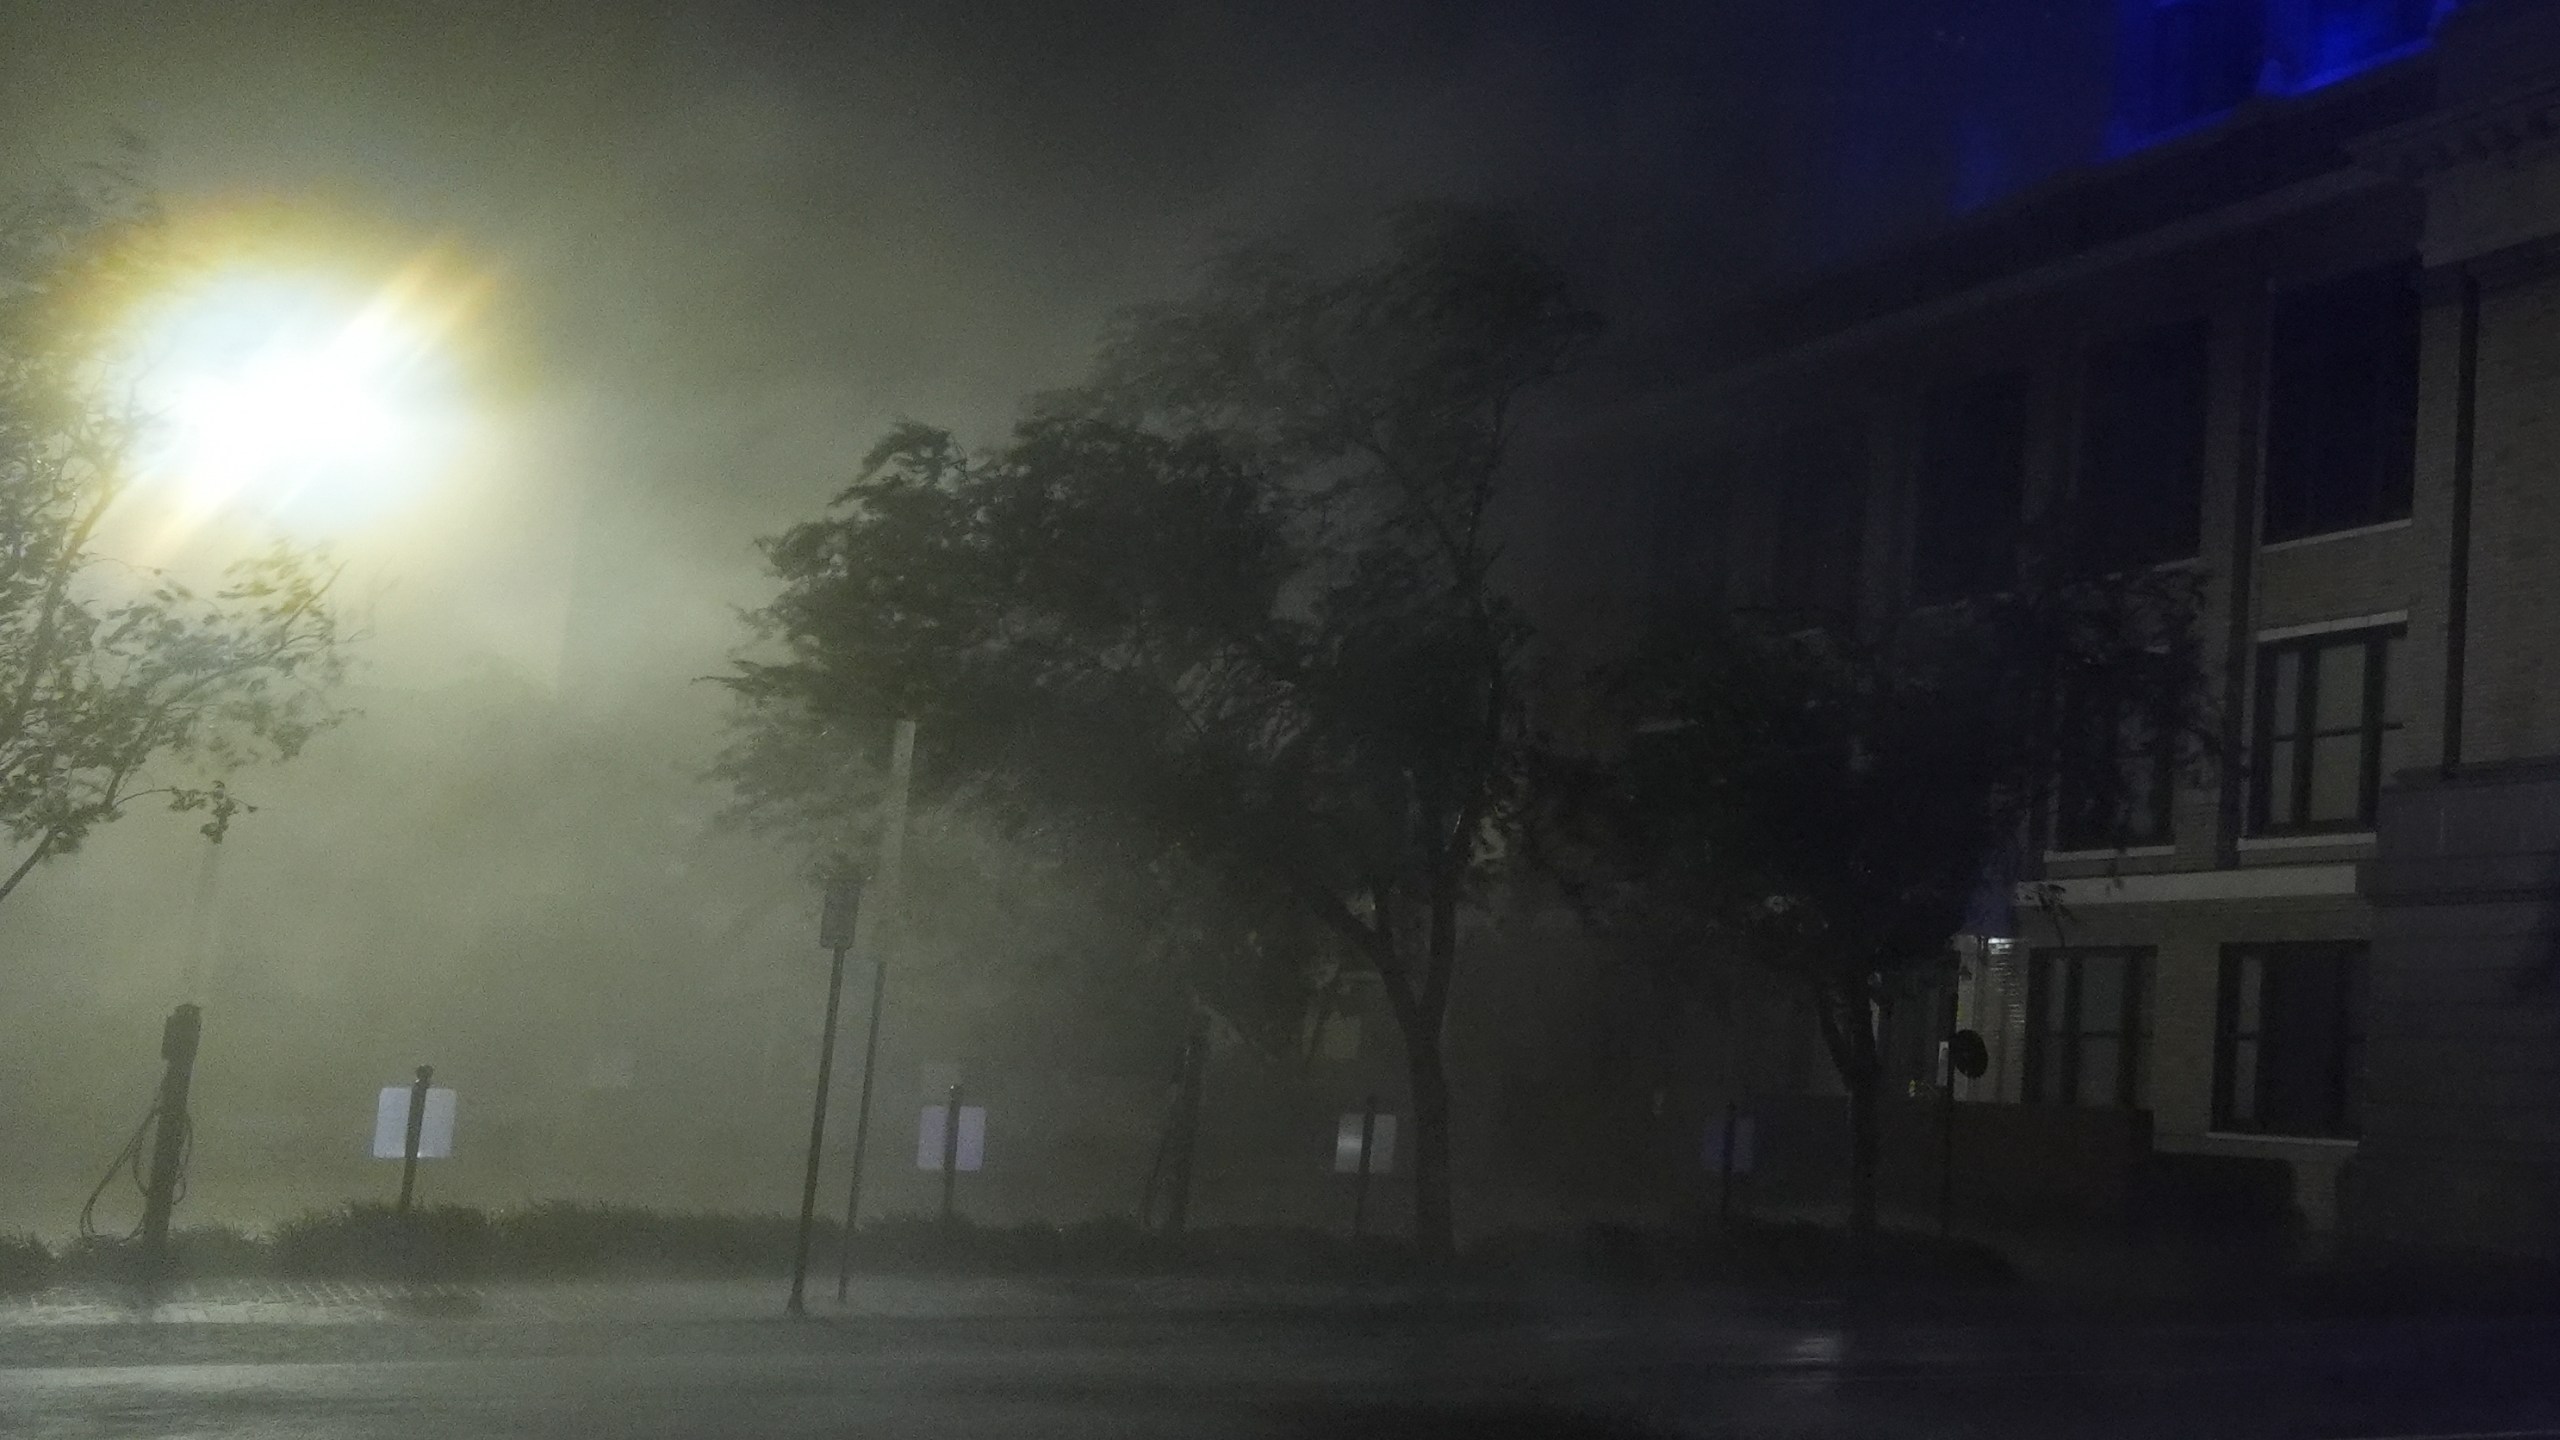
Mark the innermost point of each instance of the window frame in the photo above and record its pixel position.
(2344, 1103)
(2375, 726)
(2132, 1032)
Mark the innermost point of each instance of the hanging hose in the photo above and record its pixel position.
(129, 1161)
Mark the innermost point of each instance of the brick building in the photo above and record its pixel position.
(2302, 334)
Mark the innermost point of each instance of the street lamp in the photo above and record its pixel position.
(284, 396)
(292, 400)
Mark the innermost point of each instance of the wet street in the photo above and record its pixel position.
(916, 1359)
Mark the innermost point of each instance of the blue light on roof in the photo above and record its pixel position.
(2313, 43)
(2182, 64)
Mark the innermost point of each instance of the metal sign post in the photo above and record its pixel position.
(1724, 1165)
(952, 1120)
(1731, 1151)
(893, 849)
(1965, 1054)
(1364, 1144)
(414, 1127)
(836, 934)
(1368, 1148)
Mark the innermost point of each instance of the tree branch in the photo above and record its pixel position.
(44, 846)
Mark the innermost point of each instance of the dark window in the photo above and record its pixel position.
(1821, 472)
(2342, 404)
(2118, 780)
(1972, 483)
(2289, 1051)
(2140, 496)
(2088, 1027)
(2185, 60)
(2324, 717)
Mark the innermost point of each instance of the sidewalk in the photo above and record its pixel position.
(262, 1301)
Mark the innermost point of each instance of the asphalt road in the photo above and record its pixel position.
(1080, 1367)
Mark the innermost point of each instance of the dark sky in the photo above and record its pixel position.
(739, 237)
(735, 239)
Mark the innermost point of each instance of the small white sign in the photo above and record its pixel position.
(391, 1124)
(1382, 1145)
(1744, 1134)
(973, 1138)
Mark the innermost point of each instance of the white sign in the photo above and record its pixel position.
(973, 1138)
(1744, 1133)
(1382, 1145)
(391, 1124)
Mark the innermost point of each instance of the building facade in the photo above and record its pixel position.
(2301, 339)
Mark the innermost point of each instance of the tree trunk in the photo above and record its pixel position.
(1434, 1222)
(1849, 1033)
(1862, 1144)
(1185, 1145)
(1420, 1002)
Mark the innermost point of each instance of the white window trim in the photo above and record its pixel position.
(2352, 532)
(2382, 621)
(2250, 882)
(2253, 1137)
(2130, 852)
(2306, 842)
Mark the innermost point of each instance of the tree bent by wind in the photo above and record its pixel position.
(1828, 806)
(1234, 598)
(118, 684)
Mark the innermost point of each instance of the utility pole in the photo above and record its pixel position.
(861, 1126)
(874, 941)
(835, 931)
(169, 1139)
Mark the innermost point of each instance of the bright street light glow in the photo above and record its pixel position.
(291, 399)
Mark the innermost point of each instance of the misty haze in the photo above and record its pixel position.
(1453, 717)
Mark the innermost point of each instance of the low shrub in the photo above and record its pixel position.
(26, 1265)
(201, 1251)
(567, 1237)
(195, 1253)
(368, 1239)
(562, 1239)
